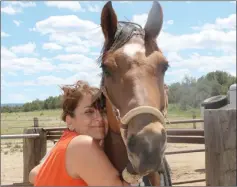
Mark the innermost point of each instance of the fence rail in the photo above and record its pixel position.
(17, 136)
(184, 151)
(185, 121)
(39, 136)
(189, 181)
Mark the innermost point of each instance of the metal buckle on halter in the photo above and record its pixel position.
(117, 113)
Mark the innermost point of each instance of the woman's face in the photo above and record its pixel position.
(88, 120)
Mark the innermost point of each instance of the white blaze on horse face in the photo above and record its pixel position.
(133, 48)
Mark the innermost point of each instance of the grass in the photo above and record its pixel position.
(14, 123)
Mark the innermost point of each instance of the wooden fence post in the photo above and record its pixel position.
(34, 150)
(220, 146)
(194, 123)
(36, 122)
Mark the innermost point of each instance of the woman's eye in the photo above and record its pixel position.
(89, 111)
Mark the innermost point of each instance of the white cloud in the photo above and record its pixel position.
(209, 36)
(71, 30)
(233, 73)
(15, 7)
(53, 80)
(71, 5)
(17, 23)
(6, 54)
(94, 8)
(84, 67)
(86, 76)
(74, 58)
(32, 29)
(67, 23)
(97, 54)
(23, 4)
(220, 24)
(51, 46)
(4, 34)
(90, 39)
(140, 19)
(10, 10)
(77, 49)
(202, 63)
(125, 2)
(207, 39)
(28, 48)
(12, 73)
(176, 75)
(26, 64)
(180, 67)
(170, 22)
(10, 62)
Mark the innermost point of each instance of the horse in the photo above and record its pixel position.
(133, 93)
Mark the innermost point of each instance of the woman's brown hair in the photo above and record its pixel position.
(72, 95)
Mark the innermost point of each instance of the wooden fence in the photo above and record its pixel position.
(35, 143)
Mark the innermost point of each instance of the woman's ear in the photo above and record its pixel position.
(69, 121)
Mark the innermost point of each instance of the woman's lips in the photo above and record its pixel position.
(97, 127)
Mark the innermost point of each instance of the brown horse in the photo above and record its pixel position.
(133, 86)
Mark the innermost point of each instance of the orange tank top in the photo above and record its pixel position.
(53, 171)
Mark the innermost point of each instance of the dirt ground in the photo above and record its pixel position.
(187, 166)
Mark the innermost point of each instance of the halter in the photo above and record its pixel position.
(128, 177)
(132, 113)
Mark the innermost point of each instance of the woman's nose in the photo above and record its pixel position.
(98, 116)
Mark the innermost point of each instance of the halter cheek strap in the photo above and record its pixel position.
(115, 110)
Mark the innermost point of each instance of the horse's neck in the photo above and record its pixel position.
(114, 146)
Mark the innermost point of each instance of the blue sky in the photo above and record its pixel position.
(47, 44)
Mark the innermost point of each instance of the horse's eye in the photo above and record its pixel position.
(105, 70)
(165, 67)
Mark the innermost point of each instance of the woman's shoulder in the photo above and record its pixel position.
(82, 142)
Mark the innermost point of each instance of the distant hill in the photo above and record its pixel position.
(12, 104)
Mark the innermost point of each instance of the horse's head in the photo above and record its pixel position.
(133, 80)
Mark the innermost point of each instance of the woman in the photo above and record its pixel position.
(78, 158)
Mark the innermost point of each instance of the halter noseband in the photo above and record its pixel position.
(132, 113)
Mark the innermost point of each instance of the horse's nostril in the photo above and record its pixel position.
(132, 143)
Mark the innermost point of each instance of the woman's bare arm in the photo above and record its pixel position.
(36, 169)
(33, 173)
(89, 162)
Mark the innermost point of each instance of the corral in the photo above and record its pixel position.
(190, 152)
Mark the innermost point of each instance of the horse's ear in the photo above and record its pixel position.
(108, 21)
(154, 21)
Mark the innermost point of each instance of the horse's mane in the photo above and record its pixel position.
(125, 31)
